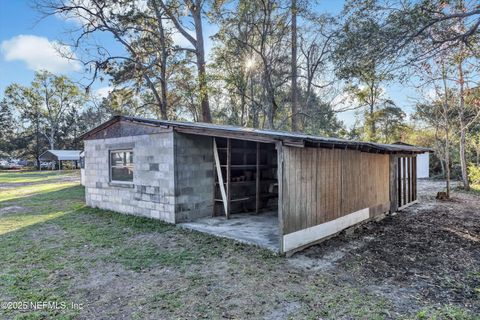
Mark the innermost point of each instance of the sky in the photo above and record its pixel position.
(29, 42)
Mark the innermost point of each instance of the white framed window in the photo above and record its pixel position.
(121, 166)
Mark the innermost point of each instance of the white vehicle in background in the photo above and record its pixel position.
(4, 164)
(47, 165)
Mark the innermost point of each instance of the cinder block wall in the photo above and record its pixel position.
(153, 192)
(193, 176)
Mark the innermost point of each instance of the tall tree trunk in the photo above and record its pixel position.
(295, 107)
(195, 8)
(202, 73)
(373, 128)
(447, 130)
(442, 167)
(37, 140)
(52, 140)
(254, 111)
(163, 65)
(463, 126)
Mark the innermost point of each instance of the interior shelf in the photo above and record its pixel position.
(239, 183)
(243, 180)
(252, 197)
(249, 166)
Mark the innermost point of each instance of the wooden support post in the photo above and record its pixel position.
(399, 181)
(229, 178)
(280, 180)
(404, 180)
(220, 176)
(415, 178)
(393, 184)
(409, 177)
(257, 181)
(215, 179)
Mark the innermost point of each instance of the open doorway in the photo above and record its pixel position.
(245, 193)
(245, 177)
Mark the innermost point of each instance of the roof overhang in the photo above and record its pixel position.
(259, 135)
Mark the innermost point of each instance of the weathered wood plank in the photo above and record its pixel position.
(220, 176)
(257, 178)
(229, 178)
(324, 184)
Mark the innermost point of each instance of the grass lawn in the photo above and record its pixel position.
(33, 176)
(100, 264)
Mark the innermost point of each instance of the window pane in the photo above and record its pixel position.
(122, 173)
(117, 158)
(121, 164)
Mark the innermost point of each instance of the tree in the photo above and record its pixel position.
(260, 31)
(364, 73)
(6, 129)
(139, 26)
(412, 31)
(28, 106)
(44, 106)
(391, 123)
(439, 113)
(58, 95)
(294, 89)
(174, 10)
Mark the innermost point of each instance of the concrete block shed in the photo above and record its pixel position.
(280, 190)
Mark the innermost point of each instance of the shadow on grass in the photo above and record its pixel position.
(36, 189)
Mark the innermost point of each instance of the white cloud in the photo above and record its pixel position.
(39, 53)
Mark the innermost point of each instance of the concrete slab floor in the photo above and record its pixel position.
(259, 229)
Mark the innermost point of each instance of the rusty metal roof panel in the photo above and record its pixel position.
(219, 129)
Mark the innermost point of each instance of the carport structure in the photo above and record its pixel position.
(61, 155)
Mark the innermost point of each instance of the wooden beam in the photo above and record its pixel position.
(399, 181)
(257, 180)
(404, 180)
(409, 178)
(222, 134)
(280, 179)
(220, 176)
(229, 177)
(415, 178)
(393, 183)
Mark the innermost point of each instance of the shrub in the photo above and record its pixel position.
(474, 174)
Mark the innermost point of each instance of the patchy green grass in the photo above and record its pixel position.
(55, 249)
(446, 312)
(33, 176)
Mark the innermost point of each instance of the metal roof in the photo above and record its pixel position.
(292, 138)
(61, 155)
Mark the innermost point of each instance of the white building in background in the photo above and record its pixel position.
(423, 162)
(82, 168)
(423, 165)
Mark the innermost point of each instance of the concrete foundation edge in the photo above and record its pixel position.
(306, 236)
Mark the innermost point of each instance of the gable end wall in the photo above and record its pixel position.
(153, 192)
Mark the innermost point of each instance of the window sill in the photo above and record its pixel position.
(121, 184)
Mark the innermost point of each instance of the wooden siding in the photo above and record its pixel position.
(405, 181)
(321, 185)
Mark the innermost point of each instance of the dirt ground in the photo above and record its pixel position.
(428, 252)
(423, 262)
